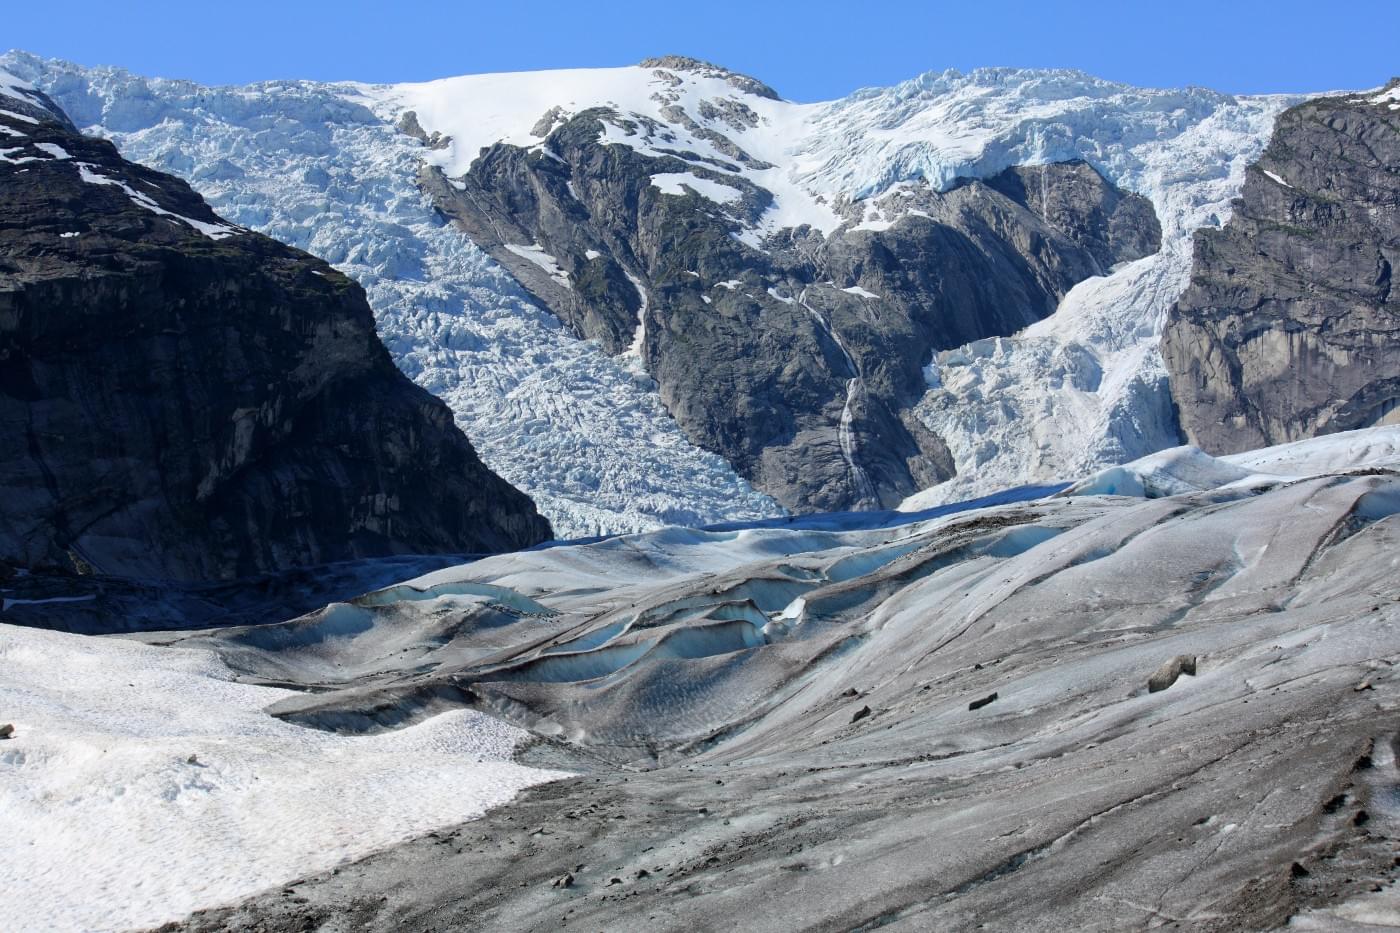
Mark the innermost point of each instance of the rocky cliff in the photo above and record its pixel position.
(1290, 327)
(187, 400)
(796, 353)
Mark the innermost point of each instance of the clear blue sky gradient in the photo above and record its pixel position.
(813, 50)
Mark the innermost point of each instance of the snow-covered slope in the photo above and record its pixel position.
(143, 783)
(322, 167)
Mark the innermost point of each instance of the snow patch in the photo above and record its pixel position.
(677, 183)
(8, 155)
(202, 797)
(535, 253)
(213, 231)
(635, 352)
(1391, 97)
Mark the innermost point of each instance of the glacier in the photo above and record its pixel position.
(1086, 386)
(711, 683)
(322, 166)
(302, 162)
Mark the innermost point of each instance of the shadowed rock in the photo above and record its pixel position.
(978, 704)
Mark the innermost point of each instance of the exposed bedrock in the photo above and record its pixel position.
(1290, 327)
(185, 400)
(795, 357)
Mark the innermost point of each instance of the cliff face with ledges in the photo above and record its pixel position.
(1290, 327)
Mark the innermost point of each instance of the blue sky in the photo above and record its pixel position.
(811, 50)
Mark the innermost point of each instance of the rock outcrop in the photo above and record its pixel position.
(796, 356)
(1290, 327)
(186, 400)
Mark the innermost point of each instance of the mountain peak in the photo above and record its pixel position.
(743, 82)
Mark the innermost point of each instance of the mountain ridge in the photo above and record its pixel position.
(1183, 149)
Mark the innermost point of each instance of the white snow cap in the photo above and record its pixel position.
(932, 130)
(478, 111)
(12, 86)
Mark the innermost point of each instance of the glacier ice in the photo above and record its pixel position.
(649, 646)
(1086, 387)
(321, 166)
(305, 163)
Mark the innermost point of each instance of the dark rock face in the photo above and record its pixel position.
(189, 401)
(1290, 328)
(1074, 199)
(796, 358)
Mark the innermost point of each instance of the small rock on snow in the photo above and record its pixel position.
(1167, 674)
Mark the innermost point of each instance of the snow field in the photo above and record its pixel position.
(109, 824)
